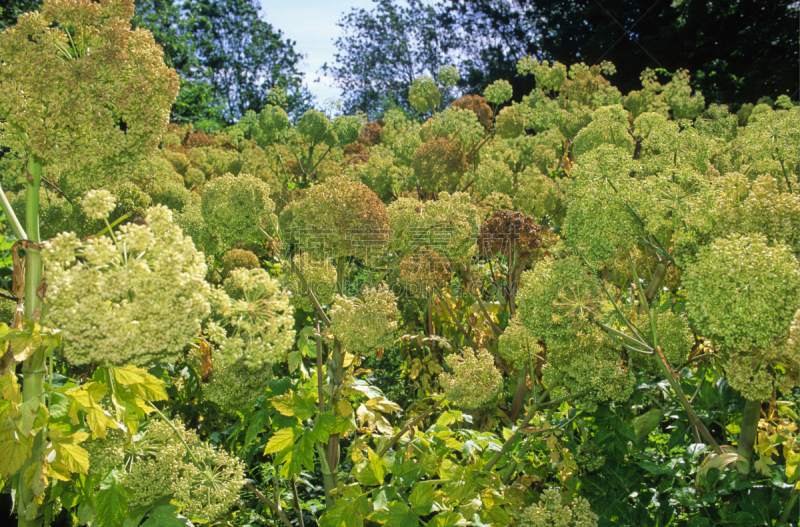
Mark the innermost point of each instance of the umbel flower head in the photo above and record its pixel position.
(237, 208)
(365, 324)
(340, 217)
(160, 461)
(320, 277)
(551, 511)
(259, 317)
(135, 299)
(743, 293)
(508, 232)
(475, 382)
(62, 72)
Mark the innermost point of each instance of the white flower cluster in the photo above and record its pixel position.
(98, 204)
(260, 319)
(363, 326)
(135, 299)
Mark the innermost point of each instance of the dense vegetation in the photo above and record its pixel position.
(577, 309)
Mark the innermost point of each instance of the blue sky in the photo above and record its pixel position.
(312, 24)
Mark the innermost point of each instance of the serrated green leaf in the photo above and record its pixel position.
(99, 422)
(397, 514)
(323, 425)
(372, 470)
(346, 513)
(422, 498)
(14, 451)
(293, 405)
(9, 388)
(258, 423)
(89, 394)
(294, 361)
(111, 502)
(72, 456)
(300, 455)
(282, 439)
(447, 519)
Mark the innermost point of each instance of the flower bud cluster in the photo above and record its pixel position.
(260, 319)
(518, 345)
(237, 208)
(339, 217)
(475, 382)
(320, 276)
(552, 512)
(135, 299)
(97, 204)
(448, 225)
(424, 95)
(363, 325)
(205, 480)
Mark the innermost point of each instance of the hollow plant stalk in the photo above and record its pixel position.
(33, 369)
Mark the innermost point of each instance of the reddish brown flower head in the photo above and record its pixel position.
(478, 104)
(508, 229)
(370, 134)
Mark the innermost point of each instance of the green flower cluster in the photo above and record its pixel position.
(538, 195)
(137, 298)
(238, 208)
(381, 174)
(363, 325)
(518, 345)
(237, 386)
(675, 339)
(424, 270)
(205, 480)
(552, 512)
(498, 92)
(450, 225)
(598, 220)
(439, 164)
(239, 259)
(340, 217)
(424, 95)
(320, 276)
(743, 294)
(492, 175)
(556, 300)
(260, 319)
(475, 382)
(509, 123)
(48, 57)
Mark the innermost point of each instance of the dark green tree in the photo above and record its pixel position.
(737, 50)
(11, 9)
(241, 56)
(382, 50)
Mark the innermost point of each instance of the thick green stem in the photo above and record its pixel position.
(33, 369)
(519, 394)
(790, 506)
(694, 420)
(655, 283)
(749, 432)
(340, 262)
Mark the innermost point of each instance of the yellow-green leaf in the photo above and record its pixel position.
(282, 439)
(14, 450)
(87, 395)
(73, 457)
(98, 421)
(9, 388)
